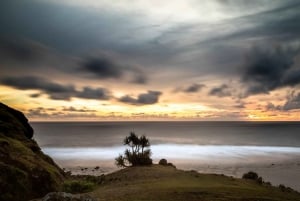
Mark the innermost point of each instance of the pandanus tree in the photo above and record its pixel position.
(138, 153)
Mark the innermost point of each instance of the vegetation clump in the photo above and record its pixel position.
(284, 188)
(253, 176)
(138, 153)
(250, 175)
(78, 186)
(164, 162)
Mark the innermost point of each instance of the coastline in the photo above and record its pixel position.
(282, 173)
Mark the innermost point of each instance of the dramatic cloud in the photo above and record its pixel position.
(194, 88)
(139, 77)
(292, 103)
(31, 82)
(221, 91)
(151, 97)
(251, 46)
(62, 113)
(19, 50)
(271, 106)
(103, 68)
(73, 109)
(54, 90)
(90, 93)
(268, 69)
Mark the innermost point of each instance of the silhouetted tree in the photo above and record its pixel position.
(137, 154)
(250, 175)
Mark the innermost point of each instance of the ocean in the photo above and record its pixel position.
(272, 149)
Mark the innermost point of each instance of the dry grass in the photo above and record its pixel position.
(169, 184)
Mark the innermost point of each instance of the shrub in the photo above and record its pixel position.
(253, 176)
(172, 165)
(250, 175)
(284, 188)
(260, 180)
(163, 162)
(78, 186)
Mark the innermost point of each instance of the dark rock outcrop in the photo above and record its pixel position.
(25, 171)
(14, 120)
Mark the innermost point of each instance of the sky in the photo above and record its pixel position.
(98, 60)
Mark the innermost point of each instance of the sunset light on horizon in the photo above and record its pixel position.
(91, 60)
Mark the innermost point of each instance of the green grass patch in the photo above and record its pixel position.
(78, 186)
(168, 184)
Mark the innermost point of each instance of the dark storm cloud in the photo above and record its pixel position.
(103, 68)
(271, 106)
(193, 88)
(90, 93)
(151, 97)
(292, 103)
(226, 44)
(71, 29)
(70, 32)
(31, 82)
(267, 69)
(20, 50)
(55, 91)
(80, 30)
(266, 25)
(35, 95)
(140, 78)
(128, 99)
(28, 57)
(221, 91)
(55, 25)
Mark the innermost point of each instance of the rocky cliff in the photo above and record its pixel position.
(26, 172)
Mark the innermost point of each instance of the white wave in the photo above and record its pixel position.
(208, 153)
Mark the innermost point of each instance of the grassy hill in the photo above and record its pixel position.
(166, 183)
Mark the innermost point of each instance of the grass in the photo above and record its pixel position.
(78, 186)
(167, 183)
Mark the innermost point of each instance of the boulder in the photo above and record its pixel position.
(62, 196)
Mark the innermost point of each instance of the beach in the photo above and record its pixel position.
(277, 165)
(219, 147)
